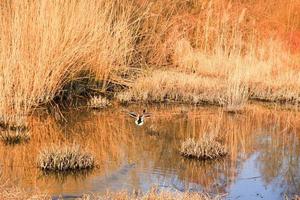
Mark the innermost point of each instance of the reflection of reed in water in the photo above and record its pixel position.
(64, 176)
(100, 135)
(210, 175)
(241, 134)
(115, 143)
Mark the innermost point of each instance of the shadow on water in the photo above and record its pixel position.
(263, 160)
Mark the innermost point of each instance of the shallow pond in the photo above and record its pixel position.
(263, 160)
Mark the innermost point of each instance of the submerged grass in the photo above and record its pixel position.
(205, 149)
(64, 158)
(14, 137)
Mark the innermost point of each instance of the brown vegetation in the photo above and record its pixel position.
(64, 158)
(296, 197)
(205, 149)
(152, 195)
(121, 141)
(98, 102)
(46, 44)
(221, 52)
(14, 193)
(14, 137)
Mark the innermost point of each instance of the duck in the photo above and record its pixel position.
(139, 118)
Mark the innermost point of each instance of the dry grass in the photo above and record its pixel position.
(14, 137)
(15, 193)
(152, 195)
(98, 102)
(45, 44)
(220, 52)
(163, 86)
(206, 149)
(172, 86)
(296, 197)
(8, 191)
(64, 158)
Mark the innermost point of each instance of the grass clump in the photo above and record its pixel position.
(14, 137)
(153, 195)
(98, 102)
(65, 158)
(206, 149)
(296, 197)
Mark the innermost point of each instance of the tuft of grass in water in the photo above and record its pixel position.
(64, 158)
(98, 102)
(205, 149)
(11, 137)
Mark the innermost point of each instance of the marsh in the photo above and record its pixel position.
(263, 152)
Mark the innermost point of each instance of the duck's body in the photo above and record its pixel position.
(139, 118)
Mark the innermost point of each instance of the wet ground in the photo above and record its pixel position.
(263, 144)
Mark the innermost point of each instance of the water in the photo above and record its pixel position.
(263, 160)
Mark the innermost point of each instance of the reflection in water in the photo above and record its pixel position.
(263, 158)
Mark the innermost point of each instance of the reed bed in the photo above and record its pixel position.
(206, 149)
(219, 52)
(46, 44)
(65, 158)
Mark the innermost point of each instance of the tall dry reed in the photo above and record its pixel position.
(227, 43)
(45, 44)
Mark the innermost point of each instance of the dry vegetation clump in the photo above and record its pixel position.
(14, 137)
(9, 191)
(204, 149)
(296, 197)
(64, 158)
(98, 102)
(153, 195)
(14, 193)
